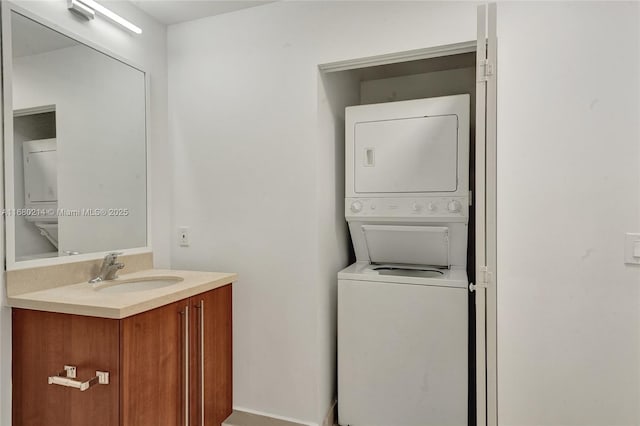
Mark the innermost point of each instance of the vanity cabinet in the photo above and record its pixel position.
(167, 366)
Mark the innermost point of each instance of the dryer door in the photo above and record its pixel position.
(406, 155)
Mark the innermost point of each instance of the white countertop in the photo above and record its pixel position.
(86, 299)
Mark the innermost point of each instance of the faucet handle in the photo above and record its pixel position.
(111, 257)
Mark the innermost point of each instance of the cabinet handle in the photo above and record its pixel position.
(66, 376)
(202, 362)
(185, 341)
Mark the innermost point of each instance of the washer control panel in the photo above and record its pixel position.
(440, 207)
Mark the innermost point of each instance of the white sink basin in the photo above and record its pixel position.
(137, 284)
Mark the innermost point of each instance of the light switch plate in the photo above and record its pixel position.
(632, 249)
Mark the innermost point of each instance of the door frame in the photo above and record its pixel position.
(396, 57)
(485, 199)
(486, 217)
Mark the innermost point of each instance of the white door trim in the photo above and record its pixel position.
(480, 210)
(406, 56)
(486, 218)
(491, 219)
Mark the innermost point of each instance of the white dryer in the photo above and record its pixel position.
(403, 306)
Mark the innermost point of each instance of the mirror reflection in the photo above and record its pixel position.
(79, 147)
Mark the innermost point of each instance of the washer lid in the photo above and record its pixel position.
(417, 245)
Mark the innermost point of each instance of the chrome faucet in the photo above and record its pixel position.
(108, 269)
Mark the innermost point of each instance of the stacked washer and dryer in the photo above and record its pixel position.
(403, 306)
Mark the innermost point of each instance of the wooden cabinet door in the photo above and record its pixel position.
(43, 342)
(211, 359)
(154, 366)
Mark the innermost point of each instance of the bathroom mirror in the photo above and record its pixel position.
(75, 147)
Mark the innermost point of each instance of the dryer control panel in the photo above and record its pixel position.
(451, 209)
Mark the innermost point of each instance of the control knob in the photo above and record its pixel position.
(432, 207)
(416, 207)
(356, 207)
(454, 206)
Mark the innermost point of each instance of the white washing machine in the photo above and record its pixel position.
(403, 306)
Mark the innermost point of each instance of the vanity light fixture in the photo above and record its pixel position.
(81, 9)
(89, 8)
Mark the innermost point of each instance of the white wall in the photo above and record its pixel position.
(568, 190)
(424, 85)
(335, 92)
(149, 51)
(249, 174)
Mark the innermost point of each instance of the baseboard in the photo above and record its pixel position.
(247, 417)
(331, 419)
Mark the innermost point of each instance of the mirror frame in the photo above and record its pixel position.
(6, 178)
